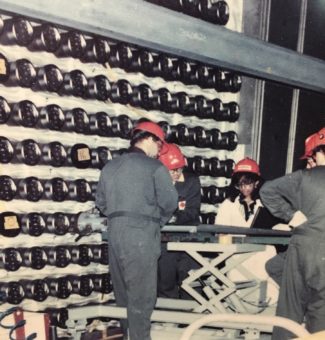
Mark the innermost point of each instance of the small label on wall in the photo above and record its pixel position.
(3, 67)
(10, 222)
(83, 154)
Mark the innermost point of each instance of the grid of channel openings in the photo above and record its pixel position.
(57, 143)
(213, 11)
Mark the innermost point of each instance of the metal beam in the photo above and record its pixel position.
(143, 23)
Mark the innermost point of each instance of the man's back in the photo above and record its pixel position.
(304, 190)
(312, 196)
(136, 183)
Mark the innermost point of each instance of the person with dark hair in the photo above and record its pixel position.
(243, 201)
(299, 199)
(136, 193)
(240, 209)
(173, 266)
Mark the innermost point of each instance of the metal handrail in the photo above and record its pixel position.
(278, 321)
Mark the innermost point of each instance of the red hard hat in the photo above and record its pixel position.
(247, 165)
(171, 156)
(320, 137)
(313, 141)
(151, 127)
(310, 144)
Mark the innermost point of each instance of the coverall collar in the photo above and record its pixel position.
(135, 149)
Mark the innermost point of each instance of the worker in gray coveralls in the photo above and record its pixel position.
(136, 193)
(300, 199)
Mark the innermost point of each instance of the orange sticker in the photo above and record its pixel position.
(3, 68)
(83, 154)
(225, 239)
(11, 222)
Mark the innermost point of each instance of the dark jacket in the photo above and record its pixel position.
(189, 200)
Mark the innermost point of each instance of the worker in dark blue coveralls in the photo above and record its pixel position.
(300, 199)
(136, 193)
(173, 266)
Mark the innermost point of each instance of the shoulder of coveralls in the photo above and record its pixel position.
(317, 169)
(283, 180)
(112, 163)
(315, 175)
(141, 157)
(132, 157)
(153, 162)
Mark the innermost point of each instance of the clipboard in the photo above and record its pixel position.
(264, 219)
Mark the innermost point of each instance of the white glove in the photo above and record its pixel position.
(298, 218)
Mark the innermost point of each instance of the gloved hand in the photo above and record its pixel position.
(298, 218)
